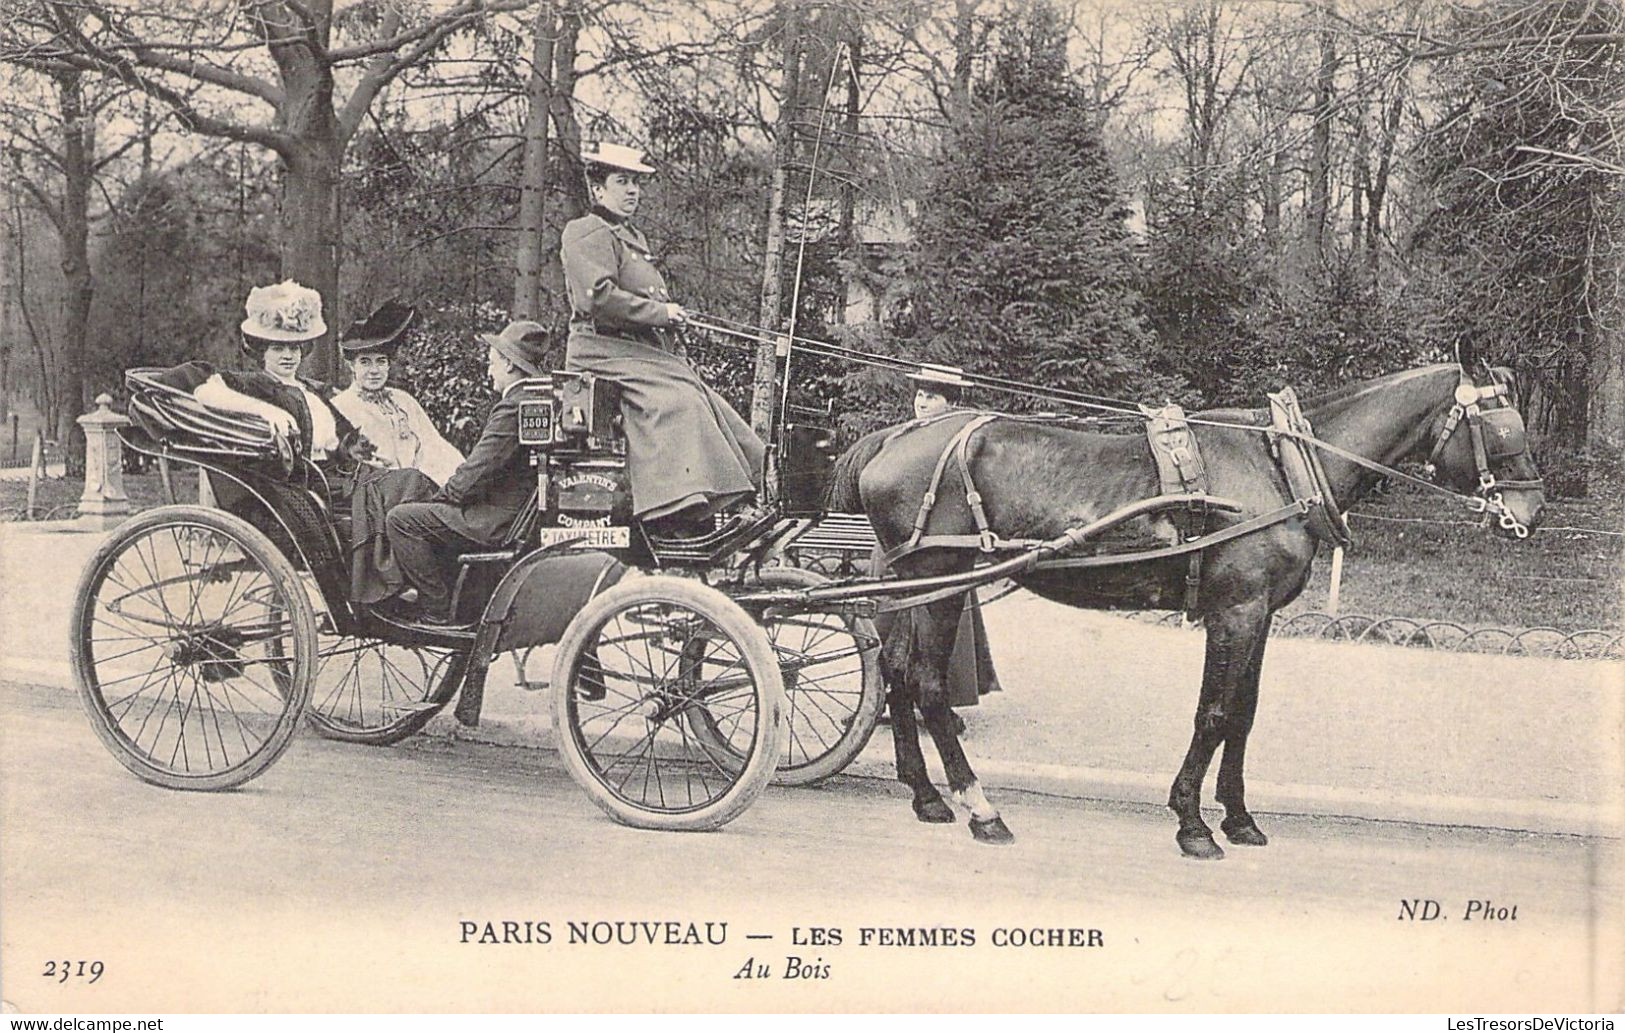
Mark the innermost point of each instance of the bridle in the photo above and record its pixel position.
(1496, 432)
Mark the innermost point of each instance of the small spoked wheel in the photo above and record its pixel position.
(833, 694)
(637, 668)
(193, 647)
(375, 693)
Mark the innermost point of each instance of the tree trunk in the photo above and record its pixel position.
(311, 231)
(78, 142)
(561, 110)
(312, 187)
(1607, 390)
(1320, 138)
(534, 186)
(1274, 177)
(1377, 191)
(967, 44)
(762, 384)
(1605, 345)
(850, 245)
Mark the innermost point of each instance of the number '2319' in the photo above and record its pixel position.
(62, 971)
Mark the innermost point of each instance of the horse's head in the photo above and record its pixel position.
(1481, 448)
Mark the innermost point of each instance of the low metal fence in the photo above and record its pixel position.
(1551, 643)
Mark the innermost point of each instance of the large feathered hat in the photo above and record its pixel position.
(381, 331)
(285, 311)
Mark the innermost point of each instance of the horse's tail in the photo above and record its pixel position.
(843, 495)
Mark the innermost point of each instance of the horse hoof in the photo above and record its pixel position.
(993, 830)
(935, 812)
(1198, 845)
(1244, 831)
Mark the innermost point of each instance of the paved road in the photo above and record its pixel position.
(341, 879)
(1101, 707)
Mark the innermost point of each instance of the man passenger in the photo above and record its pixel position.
(485, 494)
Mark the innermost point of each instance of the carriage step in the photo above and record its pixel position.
(412, 708)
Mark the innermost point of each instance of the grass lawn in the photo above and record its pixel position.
(58, 496)
(1563, 579)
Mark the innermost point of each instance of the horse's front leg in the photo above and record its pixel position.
(1231, 637)
(1238, 825)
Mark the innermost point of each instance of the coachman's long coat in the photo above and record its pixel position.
(685, 444)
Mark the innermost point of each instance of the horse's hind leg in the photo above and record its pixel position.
(1238, 825)
(928, 803)
(985, 823)
(1231, 635)
(897, 636)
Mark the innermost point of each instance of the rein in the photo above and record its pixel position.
(1487, 501)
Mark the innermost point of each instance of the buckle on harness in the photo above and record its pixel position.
(987, 540)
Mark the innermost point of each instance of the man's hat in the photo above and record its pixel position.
(285, 311)
(932, 375)
(616, 156)
(382, 331)
(523, 343)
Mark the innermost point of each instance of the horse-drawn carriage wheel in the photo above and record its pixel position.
(633, 668)
(193, 646)
(376, 693)
(833, 694)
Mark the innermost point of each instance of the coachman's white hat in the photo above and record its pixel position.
(285, 311)
(941, 376)
(616, 156)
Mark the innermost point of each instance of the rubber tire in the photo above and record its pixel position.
(870, 703)
(402, 728)
(760, 662)
(302, 619)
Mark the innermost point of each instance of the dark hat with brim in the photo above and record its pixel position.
(383, 330)
(933, 376)
(523, 343)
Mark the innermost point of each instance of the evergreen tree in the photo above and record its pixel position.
(1519, 258)
(1207, 282)
(1026, 268)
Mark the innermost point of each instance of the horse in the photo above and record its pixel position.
(1037, 479)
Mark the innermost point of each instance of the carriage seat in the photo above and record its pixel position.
(175, 419)
(589, 406)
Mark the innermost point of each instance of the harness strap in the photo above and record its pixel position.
(1180, 469)
(1035, 561)
(928, 502)
(973, 498)
(1206, 541)
(1304, 472)
(1450, 423)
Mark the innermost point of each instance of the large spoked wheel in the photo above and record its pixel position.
(377, 694)
(833, 694)
(193, 646)
(633, 668)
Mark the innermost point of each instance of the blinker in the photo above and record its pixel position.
(1504, 434)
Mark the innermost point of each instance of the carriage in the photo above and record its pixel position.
(690, 673)
(203, 637)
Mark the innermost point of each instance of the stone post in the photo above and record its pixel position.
(103, 500)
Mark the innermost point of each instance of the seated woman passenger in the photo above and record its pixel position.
(689, 455)
(283, 323)
(390, 418)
